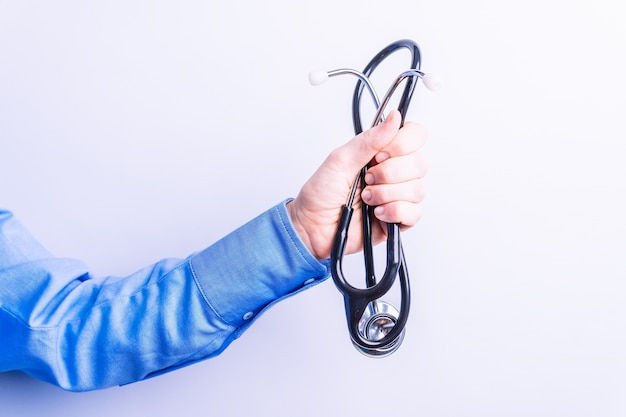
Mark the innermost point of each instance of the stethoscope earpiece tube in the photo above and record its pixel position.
(376, 328)
(407, 94)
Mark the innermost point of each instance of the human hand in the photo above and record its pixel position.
(394, 186)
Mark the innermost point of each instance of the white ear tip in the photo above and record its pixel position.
(318, 77)
(432, 82)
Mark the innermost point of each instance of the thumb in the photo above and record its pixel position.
(362, 149)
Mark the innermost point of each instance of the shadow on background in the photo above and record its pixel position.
(21, 395)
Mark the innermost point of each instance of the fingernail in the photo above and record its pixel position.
(366, 195)
(369, 179)
(379, 211)
(382, 156)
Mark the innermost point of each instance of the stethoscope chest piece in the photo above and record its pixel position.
(377, 321)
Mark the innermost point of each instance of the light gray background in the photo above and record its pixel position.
(136, 130)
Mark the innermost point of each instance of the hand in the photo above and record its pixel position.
(394, 186)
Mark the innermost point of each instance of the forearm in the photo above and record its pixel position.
(63, 326)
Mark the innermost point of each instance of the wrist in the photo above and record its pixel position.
(299, 228)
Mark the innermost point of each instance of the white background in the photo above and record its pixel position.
(136, 130)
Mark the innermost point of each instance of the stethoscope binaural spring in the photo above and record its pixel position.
(376, 327)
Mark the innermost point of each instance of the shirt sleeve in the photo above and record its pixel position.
(61, 325)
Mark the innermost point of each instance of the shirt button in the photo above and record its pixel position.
(309, 281)
(248, 315)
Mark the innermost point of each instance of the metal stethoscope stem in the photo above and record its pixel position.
(376, 328)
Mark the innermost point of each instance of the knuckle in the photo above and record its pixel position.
(412, 215)
(420, 191)
(419, 131)
(422, 164)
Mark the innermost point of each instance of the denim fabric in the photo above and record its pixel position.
(60, 324)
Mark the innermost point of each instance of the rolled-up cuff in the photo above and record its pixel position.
(256, 265)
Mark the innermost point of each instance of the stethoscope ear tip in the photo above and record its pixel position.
(432, 81)
(318, 77)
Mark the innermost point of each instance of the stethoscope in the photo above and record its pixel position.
(376, 327)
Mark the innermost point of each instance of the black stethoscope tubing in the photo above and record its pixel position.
(357, 299)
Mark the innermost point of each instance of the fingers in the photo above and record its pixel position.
(398, 169)
(409, 191)
(394, 184)
(405, 213)
(364, 147)
(409, 139)
(401, 159)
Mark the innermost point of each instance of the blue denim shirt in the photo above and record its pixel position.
(62, 325)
